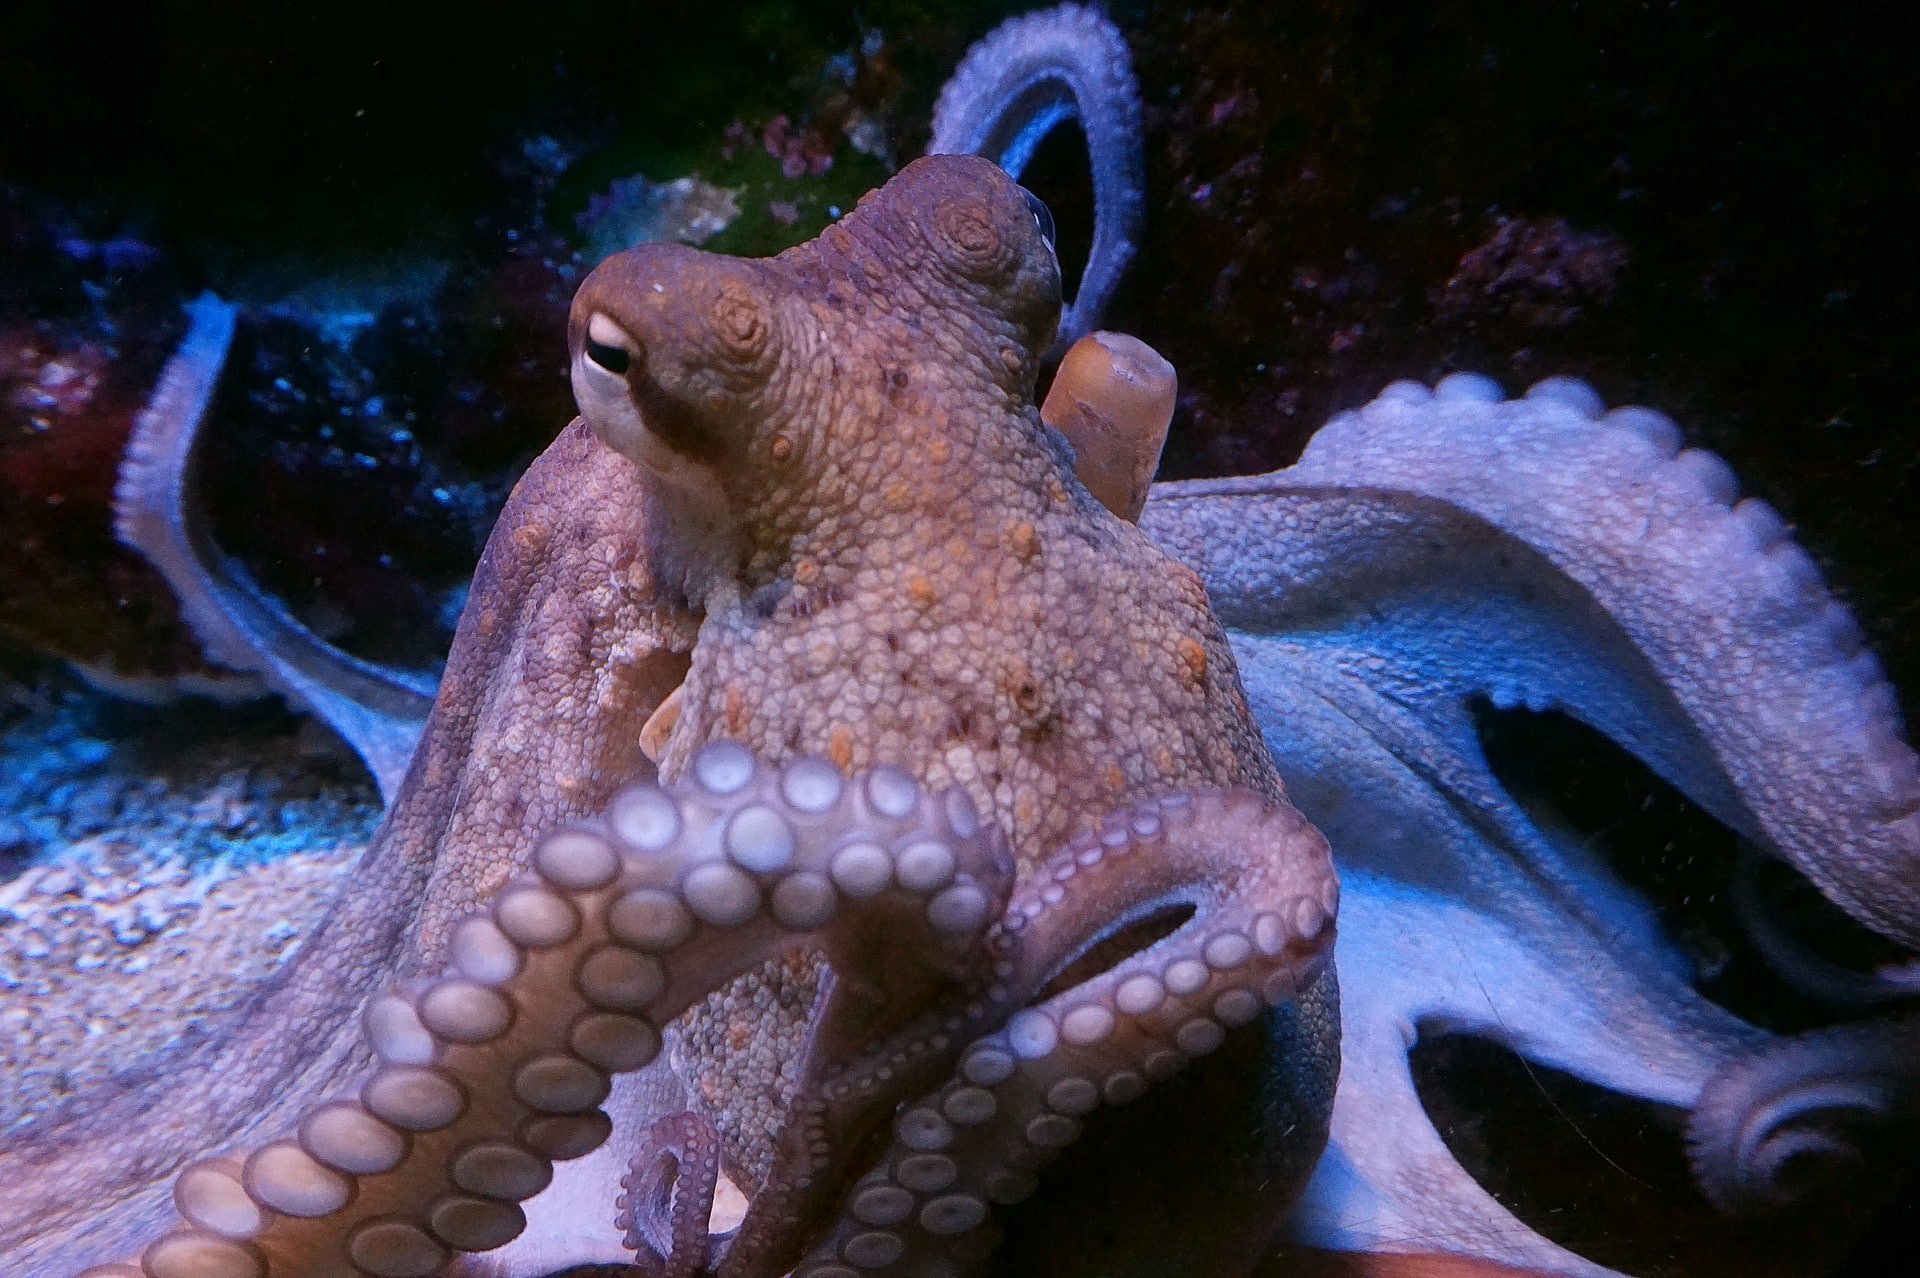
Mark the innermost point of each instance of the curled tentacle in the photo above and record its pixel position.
(880, 1030)
(833, 1111)
(380, 711)
(1263, 890)
(1795, 1121)
(668, 1196)
(1031, 74)
(494, 1070)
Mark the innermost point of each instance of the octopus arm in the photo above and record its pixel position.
(1443, 545)
(1813, 1119)
(1540, 552)
(1261, 886)
(1466, 914)
(667, 1196)
(491, 1071)
(1413, 964)
(380, 711)
(1031, 74)
(565, 649)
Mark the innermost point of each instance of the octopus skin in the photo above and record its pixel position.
(625, 922)
(1812, 1119)
(1018, 83)
(826, 627)
(1639, 1029)
(1027, 77)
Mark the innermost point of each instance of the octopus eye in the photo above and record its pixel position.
(1043, 216)
(607, 346)
(611, 358)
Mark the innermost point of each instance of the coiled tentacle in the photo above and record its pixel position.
(1261, 884)
(1023, 79)
(668, 1196)
(1794, 1122)
(494, 1070)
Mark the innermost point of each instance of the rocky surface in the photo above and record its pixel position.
(184, 851)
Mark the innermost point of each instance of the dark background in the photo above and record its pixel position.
(1710, 208)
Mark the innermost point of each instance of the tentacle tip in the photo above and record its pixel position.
(1806, 1121)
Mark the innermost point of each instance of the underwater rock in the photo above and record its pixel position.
(1534, 273)
(88, 315)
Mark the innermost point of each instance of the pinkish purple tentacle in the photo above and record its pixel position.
(380, 711)
(669, 1196)
(843, 1101)
(881, 1031)
(1795, 1121)
(498, 1067)
(1264, 895)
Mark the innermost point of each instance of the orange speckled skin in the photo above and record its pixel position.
(920, 579)
(915, 577)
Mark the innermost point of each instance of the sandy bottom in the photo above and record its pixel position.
(157, 865)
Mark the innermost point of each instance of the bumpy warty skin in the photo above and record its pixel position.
(918, 578)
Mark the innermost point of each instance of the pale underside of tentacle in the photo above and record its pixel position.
(1262, 887)
(1030, 75)
(1439, 546)
(379, 710)
(1712, 647)
(492, 1071)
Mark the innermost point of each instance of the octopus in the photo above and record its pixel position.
(810, 591)
(991, 855)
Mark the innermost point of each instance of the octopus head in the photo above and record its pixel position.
(755, 389)
(677, 354)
